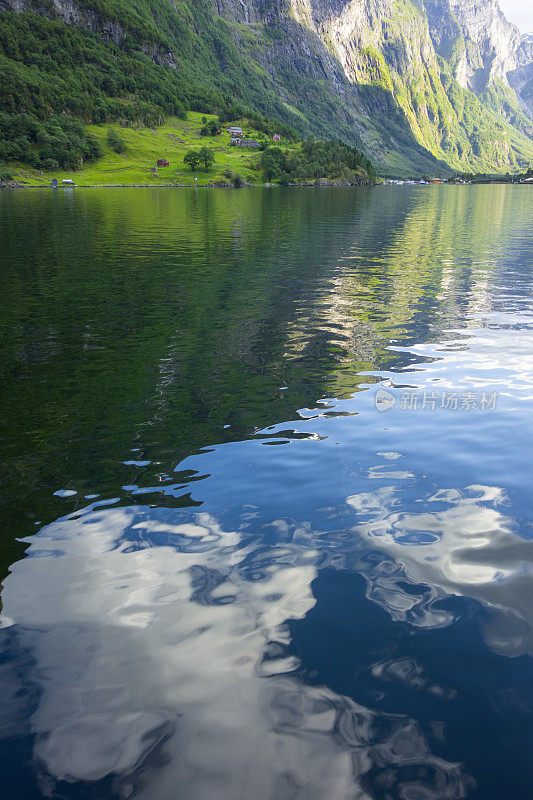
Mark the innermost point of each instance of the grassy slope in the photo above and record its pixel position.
(145, 146)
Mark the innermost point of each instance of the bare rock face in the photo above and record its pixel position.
(498, 46)
(476, 39)
(416, 56)
(484, 46)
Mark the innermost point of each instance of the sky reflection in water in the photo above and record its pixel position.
(347, 614)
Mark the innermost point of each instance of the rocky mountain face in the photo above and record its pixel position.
(484, 48)
(423, 53)
(453, 72)
(422, 85)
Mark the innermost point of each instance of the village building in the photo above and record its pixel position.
(238, 141)
(234, 130)
(162, 162)
(251, 143)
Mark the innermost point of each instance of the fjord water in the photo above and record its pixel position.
(266, 494)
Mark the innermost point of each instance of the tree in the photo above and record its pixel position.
(206, 157)
(6, 175)
(273, 163)
(213, 127)
(192, 159)
(115, 142)
(270, 167)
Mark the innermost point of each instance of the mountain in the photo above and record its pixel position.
(420, 85)
(488, 54)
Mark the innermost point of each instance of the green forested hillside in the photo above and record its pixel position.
(141, 61)
(49, 69)
(149, 59)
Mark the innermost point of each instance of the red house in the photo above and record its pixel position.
(162, 162)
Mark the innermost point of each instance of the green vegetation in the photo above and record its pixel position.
(461, 130)
(211, 128)
(6, 175)
(181, 143)
(143, 147)
(58, 141)
(115, 142)
(502, 100)
(206, 157)
(192, 159)
(195, 159)
(46, 65)
(484, 177)
(144, 62)
(315, 160)
(55, 79)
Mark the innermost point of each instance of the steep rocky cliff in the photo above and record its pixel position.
(423, 85)
(483, 48)
(454, 68)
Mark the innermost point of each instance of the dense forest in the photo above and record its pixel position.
(315, 160)
(55, 78)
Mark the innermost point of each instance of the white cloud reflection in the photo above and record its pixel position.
(151, 667)
(460, 543)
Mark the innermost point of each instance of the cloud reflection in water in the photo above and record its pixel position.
(459, 544)
(155, 644)
(164, 667)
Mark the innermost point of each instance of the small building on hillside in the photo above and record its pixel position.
(235, 131)
(277, 137)
(162, 162)
(235, 140)
(251, 143)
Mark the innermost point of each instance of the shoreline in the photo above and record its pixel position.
(321, 183)
(314, 185)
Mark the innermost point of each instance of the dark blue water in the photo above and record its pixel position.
(266, 494)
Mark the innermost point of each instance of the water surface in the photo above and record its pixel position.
(266, 506)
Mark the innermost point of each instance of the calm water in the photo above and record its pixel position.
(266, 509)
